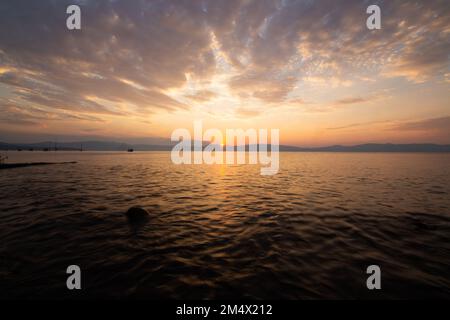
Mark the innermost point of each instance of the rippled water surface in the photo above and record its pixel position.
(226, 231)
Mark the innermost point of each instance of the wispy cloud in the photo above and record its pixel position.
(202, 96)
(350, 100)
(435, 124)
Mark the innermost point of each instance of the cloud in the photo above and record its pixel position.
(247, 113)
(281, 44)
(348, 126)
(130, 54)
(202, 96)
(435, 124)
(360, 124)
(350, 100)
(264, 87)
(424, 130)
(14, 113)
(339, 103)
(151, 44)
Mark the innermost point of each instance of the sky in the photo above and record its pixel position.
(137, 70)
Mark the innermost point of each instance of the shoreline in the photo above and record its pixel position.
(5, 166)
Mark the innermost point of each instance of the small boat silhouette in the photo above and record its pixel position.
(130, 150)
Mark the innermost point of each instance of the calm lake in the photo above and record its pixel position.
(221, 231)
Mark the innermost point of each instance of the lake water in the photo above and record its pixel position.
(225, 231)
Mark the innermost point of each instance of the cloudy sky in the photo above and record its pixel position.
(141, 69)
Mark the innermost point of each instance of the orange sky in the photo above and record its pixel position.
(312, 70)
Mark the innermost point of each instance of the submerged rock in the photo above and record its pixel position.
(423, 226)
(137, 215)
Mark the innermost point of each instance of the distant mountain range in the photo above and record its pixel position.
(83, 145)
(118, 146)
(375, 147)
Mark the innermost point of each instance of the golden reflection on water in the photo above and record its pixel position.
(225, 231)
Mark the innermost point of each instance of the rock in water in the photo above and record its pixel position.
(137, 215)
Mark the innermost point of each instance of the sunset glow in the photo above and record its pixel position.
(224, 158)
(311, 69)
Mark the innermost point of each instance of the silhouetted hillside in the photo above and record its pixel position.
(118, 146)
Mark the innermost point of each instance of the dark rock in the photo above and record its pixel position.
(137, 215)
(423, 226)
